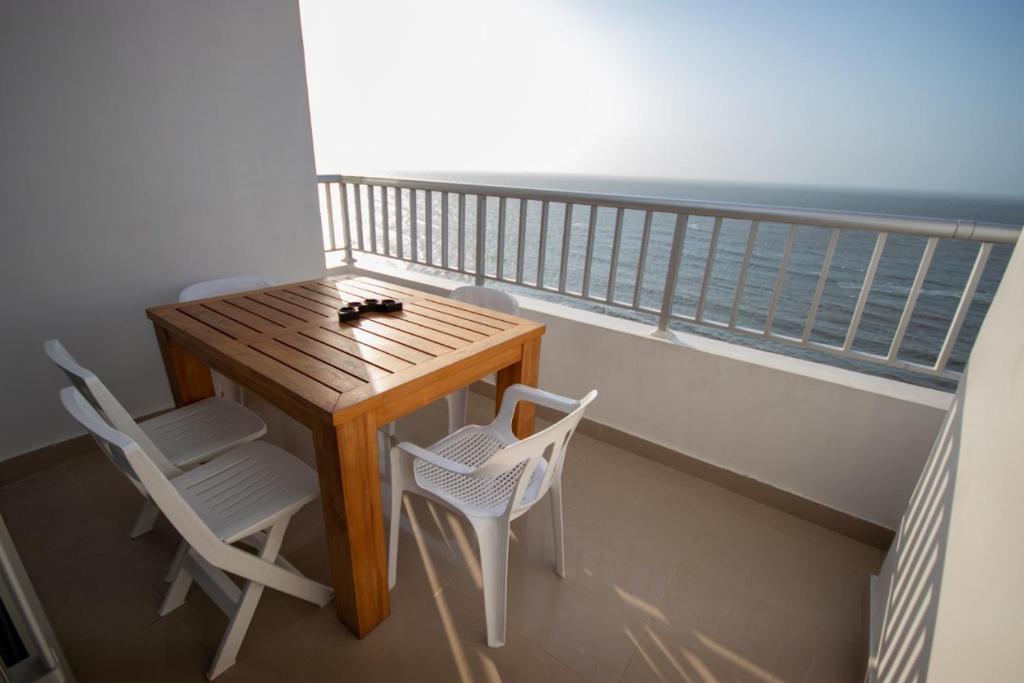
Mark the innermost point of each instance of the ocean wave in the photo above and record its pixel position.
(901, 290)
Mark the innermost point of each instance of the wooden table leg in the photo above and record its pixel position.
(188, 376)
(526, 371)
(347, 461)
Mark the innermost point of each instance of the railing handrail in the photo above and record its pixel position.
(943, 228)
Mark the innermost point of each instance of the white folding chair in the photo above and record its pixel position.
(487, 297)
(247, 495)
(179, 439)
(489, 477)
(223, 386)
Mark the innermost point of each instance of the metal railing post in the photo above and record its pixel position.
(481, 232)
(675, 259)
(349, 260)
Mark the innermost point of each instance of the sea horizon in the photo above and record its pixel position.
(990, 208)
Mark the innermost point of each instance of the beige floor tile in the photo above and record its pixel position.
(99, 592)
(46, 513)
(106, 491)
(444, 640)
(163, 652)
(580, 621)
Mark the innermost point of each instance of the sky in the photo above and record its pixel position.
(920, 96)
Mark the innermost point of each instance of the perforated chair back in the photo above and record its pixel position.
(223, 286)
(549, 445)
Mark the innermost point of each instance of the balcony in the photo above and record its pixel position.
(726, 505)
(792, 473)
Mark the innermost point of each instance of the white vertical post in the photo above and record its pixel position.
(501, 238)
(462, 232)
(481, 239)
(675, 259)
(521, 241)
(865, 290)
(780, 280)
(444, 229)
(428, 214)
(345, 226)
(613, 270)
(742, 282)
(708, 266)
(566, 238)
(357, 192)
(414, 247)
(915, 292)
(642, 259)
(965, 304)
(330, 216)
(372, 211)
(591, 229)
(384, 222)
(819, 290)
(543, 243)
(399, 223)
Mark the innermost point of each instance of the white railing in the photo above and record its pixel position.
(639, 255)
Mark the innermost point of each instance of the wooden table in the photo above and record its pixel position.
(344, 380)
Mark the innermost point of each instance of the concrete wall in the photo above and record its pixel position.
(850, 441)
(145, 145)
(950, 591)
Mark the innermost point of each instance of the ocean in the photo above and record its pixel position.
(933, 313)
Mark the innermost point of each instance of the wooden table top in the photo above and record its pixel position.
(288, 344)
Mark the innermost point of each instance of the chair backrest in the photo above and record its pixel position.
(227, 285)
(488, 297)
(142, 462)
(550, 444)
(111, 410)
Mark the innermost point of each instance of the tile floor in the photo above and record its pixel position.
(669, 578)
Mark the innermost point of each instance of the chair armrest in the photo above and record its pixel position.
(520, 392)
(435, 459)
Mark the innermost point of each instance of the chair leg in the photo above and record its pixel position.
(242, 618)
(458, 405)
(492, 537)
(177, 562)
(395, 525)
(385, 440)
(559, 527)
(146, 519)
(175, 597)
(226, 388)
(227, 652)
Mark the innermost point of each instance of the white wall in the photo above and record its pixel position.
(850, 441)
(145, 145)
(952, 590)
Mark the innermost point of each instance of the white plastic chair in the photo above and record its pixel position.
(247, 495)
(179, 439)
(487, 297)
(223, 386)
(489, 477)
